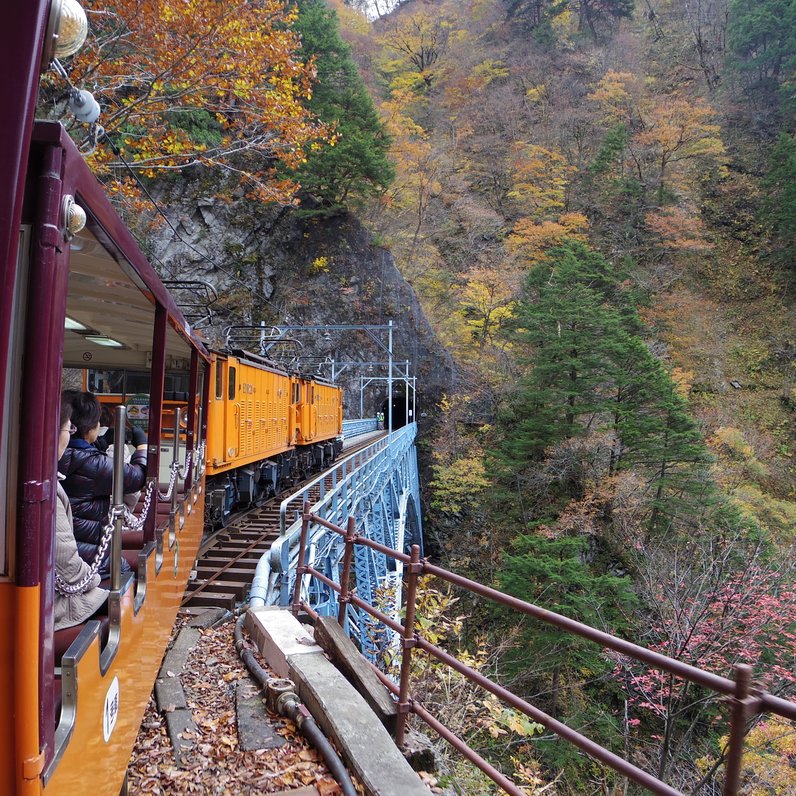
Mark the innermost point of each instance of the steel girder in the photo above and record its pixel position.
(383, 496)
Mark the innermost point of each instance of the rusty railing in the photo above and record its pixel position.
(745, 700)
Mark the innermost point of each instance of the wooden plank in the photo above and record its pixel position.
(347, 658)
(233, 573)
(224, 600)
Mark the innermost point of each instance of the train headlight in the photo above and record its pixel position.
(67, 28)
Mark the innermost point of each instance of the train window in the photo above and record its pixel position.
(232, 384)
(296, 392)
(130, 382)
(219, 380)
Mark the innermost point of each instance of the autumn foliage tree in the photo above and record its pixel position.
(194, 83)
(663, 135)
(715, 601)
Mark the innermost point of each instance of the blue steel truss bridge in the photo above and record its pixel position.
(377, 489)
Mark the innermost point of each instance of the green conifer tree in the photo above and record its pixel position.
(572, 321)
(590, 372)
(656, 436)
(553, 574)
(357, 165)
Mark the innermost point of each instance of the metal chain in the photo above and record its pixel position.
(62, 587)
(133, 523)
(175, 470)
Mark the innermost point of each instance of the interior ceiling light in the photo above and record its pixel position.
(108, 342)
(73, 325)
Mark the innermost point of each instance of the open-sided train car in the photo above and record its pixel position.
(71, 701)
(266, 429)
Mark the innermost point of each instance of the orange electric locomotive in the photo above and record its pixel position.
(267, 428)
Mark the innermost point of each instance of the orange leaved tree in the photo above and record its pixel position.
(186, 82)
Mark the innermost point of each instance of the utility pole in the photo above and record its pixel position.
(389, 382)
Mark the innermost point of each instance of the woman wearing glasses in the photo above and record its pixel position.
(88, 477)
(76, 594)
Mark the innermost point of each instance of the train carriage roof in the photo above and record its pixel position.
(112, 286)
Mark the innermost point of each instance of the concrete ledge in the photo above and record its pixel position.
(278, 634)
(364, 743)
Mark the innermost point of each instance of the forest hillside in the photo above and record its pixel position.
(594, 202)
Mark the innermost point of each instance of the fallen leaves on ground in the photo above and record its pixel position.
(216, 765)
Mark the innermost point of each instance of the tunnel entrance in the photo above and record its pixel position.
(399, 418)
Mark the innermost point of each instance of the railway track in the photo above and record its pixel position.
(228, 558)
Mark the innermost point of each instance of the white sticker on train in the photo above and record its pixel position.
(111, 712)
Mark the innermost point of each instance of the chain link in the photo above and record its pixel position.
(62, 587)
(131, 522)
(175, 471)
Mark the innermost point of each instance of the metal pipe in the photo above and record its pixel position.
(389, 383)
(720, 684)
(348, 556)
(175, 458)
(476, 759)
(259, 587)
(301, 567)
(562, 730)
(288, 704)
(406, 394)
(409, 641)
(746, 703)
(732, 770)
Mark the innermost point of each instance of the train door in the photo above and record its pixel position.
(313, 413)
(232, 423)
(294, 427)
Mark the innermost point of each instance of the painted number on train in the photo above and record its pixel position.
(111, 712)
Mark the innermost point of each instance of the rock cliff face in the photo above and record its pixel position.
(270, 265)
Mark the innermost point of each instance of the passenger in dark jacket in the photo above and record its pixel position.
(88, 478)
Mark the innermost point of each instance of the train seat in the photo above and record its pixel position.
(132, 540)
(131, 557)
(62, 639)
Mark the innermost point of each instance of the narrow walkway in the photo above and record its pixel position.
(206, 703)
(206, 729)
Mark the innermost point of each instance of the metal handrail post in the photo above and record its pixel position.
(732, 773)
(175, 458)
(301, 567)
(118, 498)
(348, 557)
(389, 385)
(413, 570)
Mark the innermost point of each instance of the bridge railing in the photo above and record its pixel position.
(341, 490)
(745, 701)
(364, 425)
